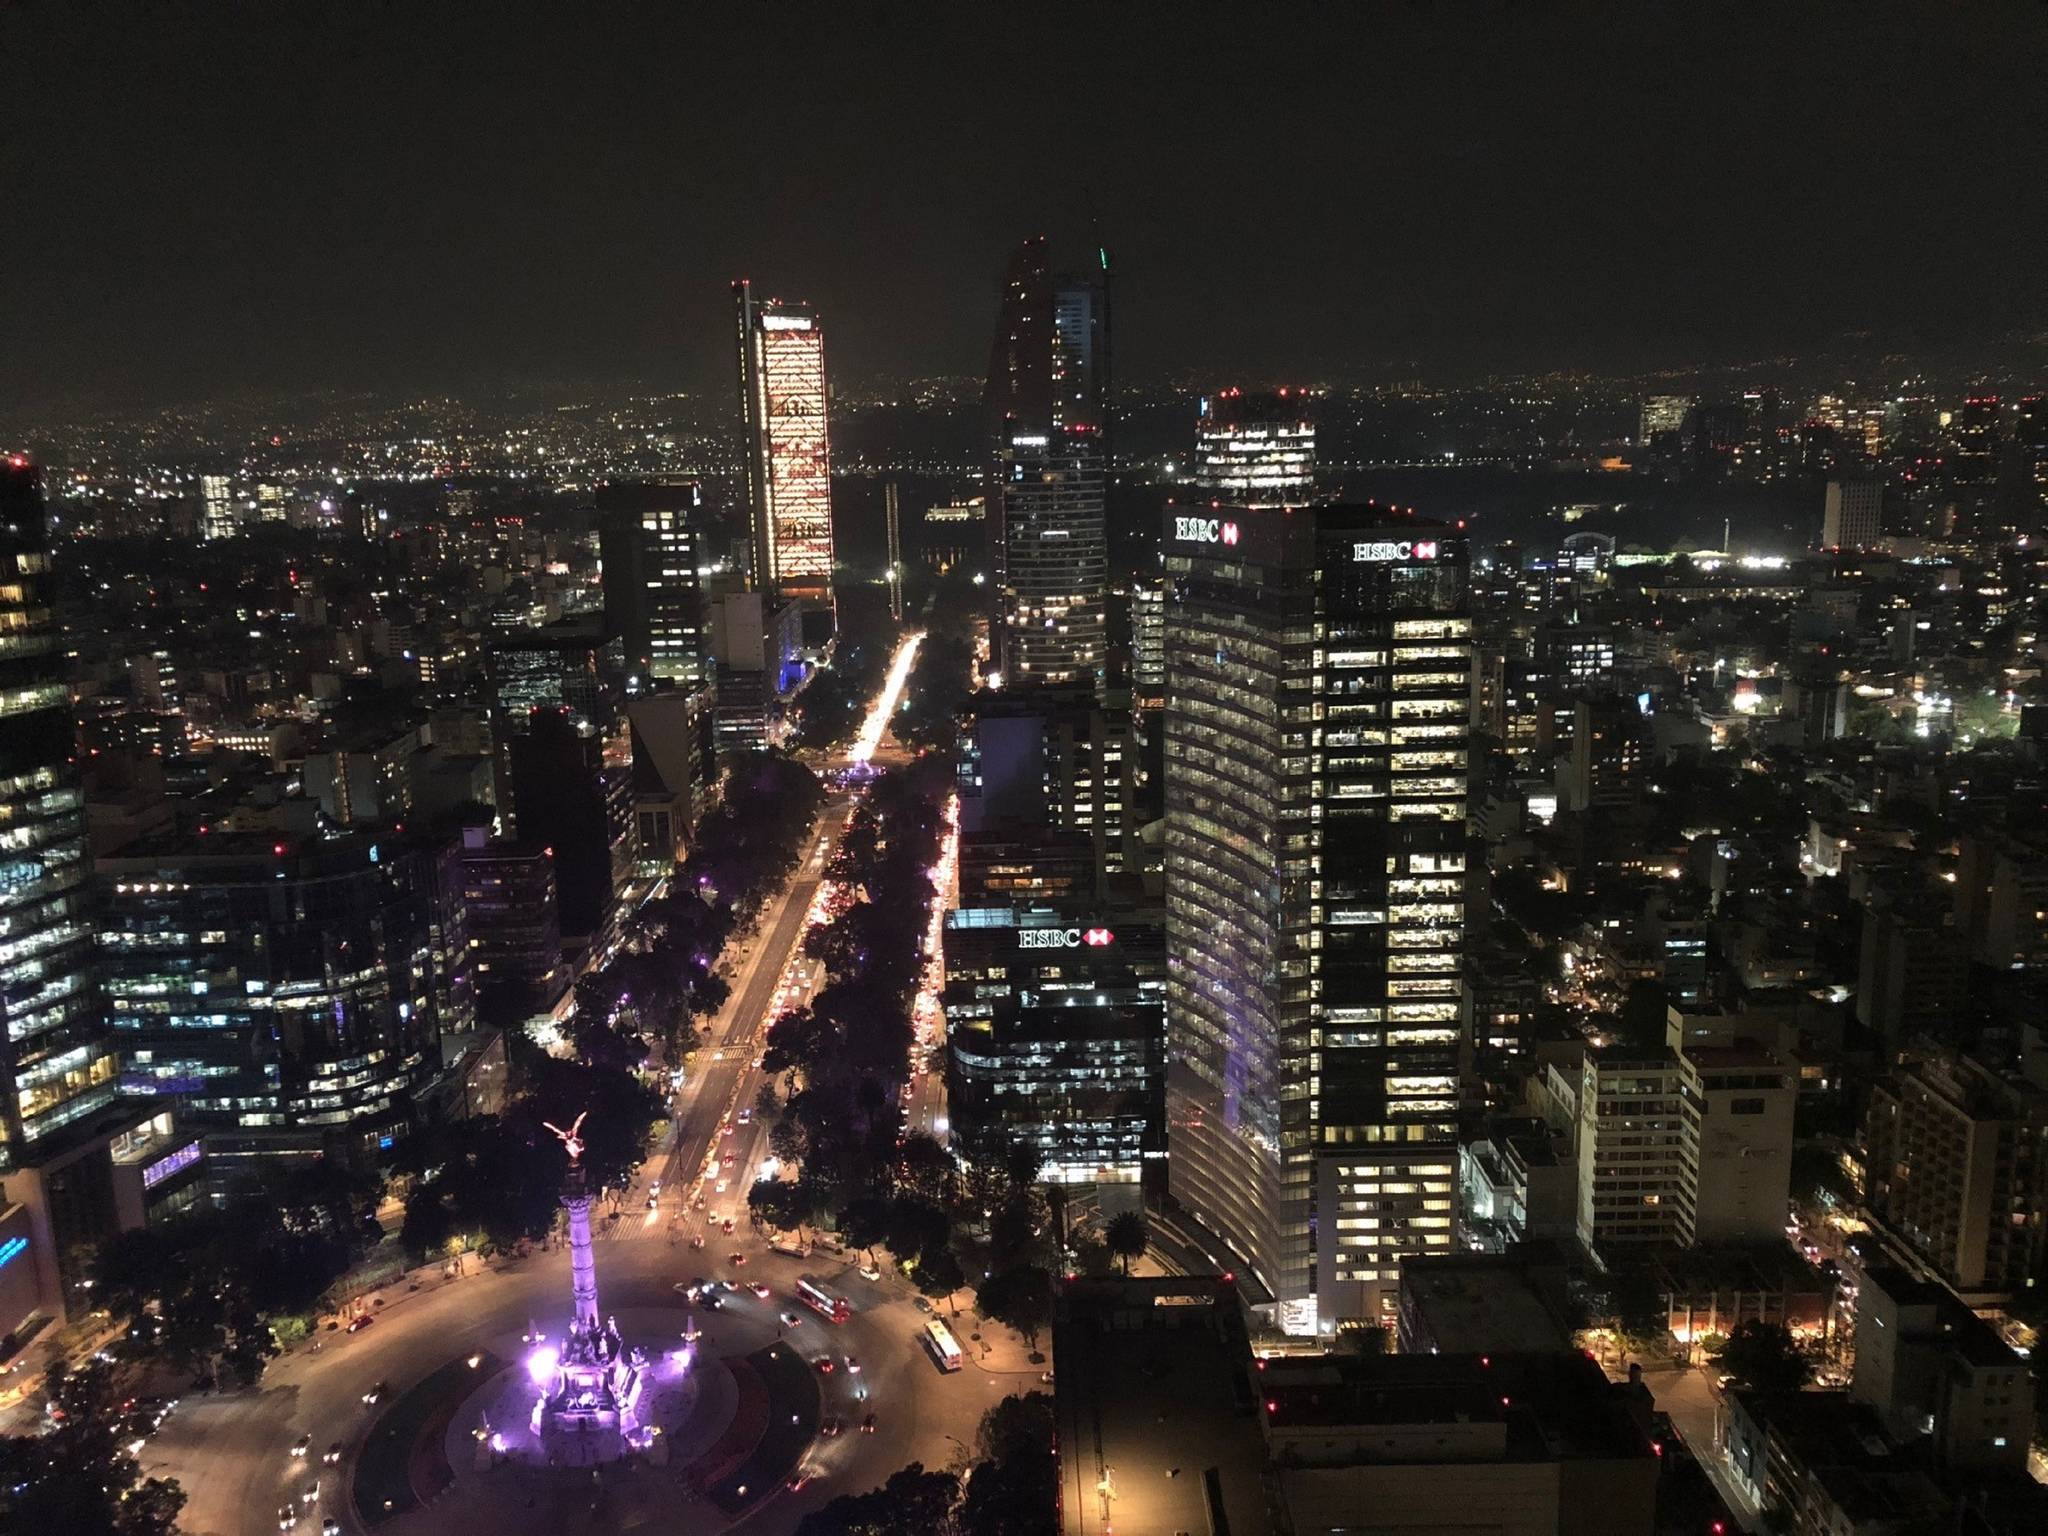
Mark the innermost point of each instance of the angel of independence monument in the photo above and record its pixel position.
(591, 1385)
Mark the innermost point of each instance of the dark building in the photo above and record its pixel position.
(650, 541)
(1056, 756)
(574, 664)
(1015, 861)
(569, 799)
(1318, 707)
(514, 928)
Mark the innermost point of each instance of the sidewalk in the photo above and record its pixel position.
(993, 1348)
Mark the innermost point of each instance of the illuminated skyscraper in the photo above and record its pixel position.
(56, 1065)
(1047, 402)
(1056, 561)
(788, 457)
(1318, 705)
(216, 508)
(1256, 450)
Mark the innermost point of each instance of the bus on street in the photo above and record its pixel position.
(822, 1299)
(940, 1344)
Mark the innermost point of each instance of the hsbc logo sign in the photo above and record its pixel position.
(1381, 550)
(1204, 530)
(1064, 938)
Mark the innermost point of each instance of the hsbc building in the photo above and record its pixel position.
(1056, 1033)
(1318, 672)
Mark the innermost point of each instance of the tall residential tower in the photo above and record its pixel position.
(1318, 682)
(1048, 410)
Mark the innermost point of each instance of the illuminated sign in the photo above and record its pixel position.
(1064, 938)
(785, 322)
(1380, 550)
(1170, 1299)
(11, 1250)
(1204, 530)
(170, 1163)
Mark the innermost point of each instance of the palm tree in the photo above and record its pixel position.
(1127, 1236)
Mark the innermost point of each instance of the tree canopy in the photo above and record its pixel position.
(80, 1478)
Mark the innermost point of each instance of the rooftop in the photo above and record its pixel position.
(1551, 1405)
(1153, 1404)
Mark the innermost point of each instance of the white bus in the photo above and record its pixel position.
(940, 1344)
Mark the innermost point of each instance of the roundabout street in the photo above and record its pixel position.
(232, 1452)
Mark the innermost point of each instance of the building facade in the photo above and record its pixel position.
(1318, 707)
(57, 1064)
(1256, 449)
(1056, 1028)
(788, 455)
(650, 541)
(284, 995)
(1958, 1170)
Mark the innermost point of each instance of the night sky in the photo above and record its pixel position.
(210, 199)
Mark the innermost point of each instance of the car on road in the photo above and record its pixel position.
(802, 1476)
(310, 1494)
(697, 1241)
(711, 1301)
(302, 1445)
(332, 1454)
(760, 1289)
(853, 1365)
(377, 1390)
(724, 1184)
(730, 1160)
(826, 1365)
(791, 1319)
(726, 1226)
(287, 1517)
(736, 1258)
(830, 1428)
(361, 1321)
(867, 1425)
(746, 1117)
(729, 1283)
(869, 1272)
(330, 1527)
(920, 1303)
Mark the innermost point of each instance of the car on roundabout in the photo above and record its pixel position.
(287, 1517)
(302, 1445)
(332, 1454)
(376, 1392)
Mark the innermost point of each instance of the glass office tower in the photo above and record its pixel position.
(1318, 706)
(56, 1066)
